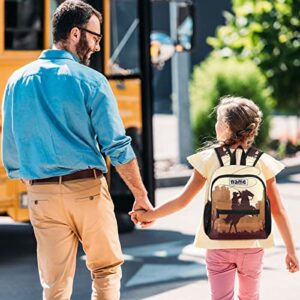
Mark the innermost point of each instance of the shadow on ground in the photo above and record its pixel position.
(154, 264)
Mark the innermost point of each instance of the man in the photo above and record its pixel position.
(55, 112)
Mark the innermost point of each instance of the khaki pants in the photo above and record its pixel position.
(63, 214)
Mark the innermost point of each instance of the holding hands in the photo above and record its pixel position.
(144, 213)
(142, 217)
(142, 206)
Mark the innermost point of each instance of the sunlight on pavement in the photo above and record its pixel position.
(164, 273)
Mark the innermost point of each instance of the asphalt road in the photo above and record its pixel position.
(160, 262)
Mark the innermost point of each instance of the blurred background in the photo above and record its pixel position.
(168, 62)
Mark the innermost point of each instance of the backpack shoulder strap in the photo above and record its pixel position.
(225, 156)
(251, 157)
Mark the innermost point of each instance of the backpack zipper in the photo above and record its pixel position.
(238, 175)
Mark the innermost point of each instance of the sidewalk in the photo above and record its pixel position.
(160, 262)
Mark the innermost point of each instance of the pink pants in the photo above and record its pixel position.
(222, 265)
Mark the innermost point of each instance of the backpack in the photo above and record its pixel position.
(237, 207)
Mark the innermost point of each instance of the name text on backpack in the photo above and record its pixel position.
(238, 181)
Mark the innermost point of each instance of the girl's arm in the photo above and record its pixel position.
(280, 216)
(193, 186)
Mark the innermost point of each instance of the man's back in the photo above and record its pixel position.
(57, 108)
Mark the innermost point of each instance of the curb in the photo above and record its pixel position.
(172, 181)
(289, 170)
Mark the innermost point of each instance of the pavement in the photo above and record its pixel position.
(160, 262)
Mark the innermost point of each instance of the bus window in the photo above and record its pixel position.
(124, 42)
(24, 25)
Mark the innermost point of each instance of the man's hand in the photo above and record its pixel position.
(143, 216)
(142, 204)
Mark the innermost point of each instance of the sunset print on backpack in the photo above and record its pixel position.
(238, 207)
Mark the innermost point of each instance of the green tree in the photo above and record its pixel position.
(268, 32)
(217, 77)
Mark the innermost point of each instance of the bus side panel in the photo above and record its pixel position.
(128, 95)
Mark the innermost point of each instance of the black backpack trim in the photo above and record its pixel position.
(223, 151)
(251, 152)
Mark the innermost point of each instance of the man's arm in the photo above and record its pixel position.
(130, 173)
(115, 144)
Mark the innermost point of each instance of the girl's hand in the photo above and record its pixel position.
(142, 216)
(292, 263)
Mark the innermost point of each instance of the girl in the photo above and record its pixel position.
(238, 122)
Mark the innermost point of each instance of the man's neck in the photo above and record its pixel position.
(61, 46)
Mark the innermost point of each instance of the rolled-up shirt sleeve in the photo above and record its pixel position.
(108, 125)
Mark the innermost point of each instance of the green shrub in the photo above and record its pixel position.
(217, 77)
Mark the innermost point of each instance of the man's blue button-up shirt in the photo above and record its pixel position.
(58, 116)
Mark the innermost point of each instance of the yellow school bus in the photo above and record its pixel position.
(125, 59)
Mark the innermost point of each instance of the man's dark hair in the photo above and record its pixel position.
(70, 14)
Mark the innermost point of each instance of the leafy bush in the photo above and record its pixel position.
(217, 77)
(268, 33)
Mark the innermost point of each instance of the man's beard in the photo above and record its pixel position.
(83, 49)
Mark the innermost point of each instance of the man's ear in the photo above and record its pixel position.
(75, 35)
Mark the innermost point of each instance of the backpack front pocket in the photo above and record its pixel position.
(239, 208)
